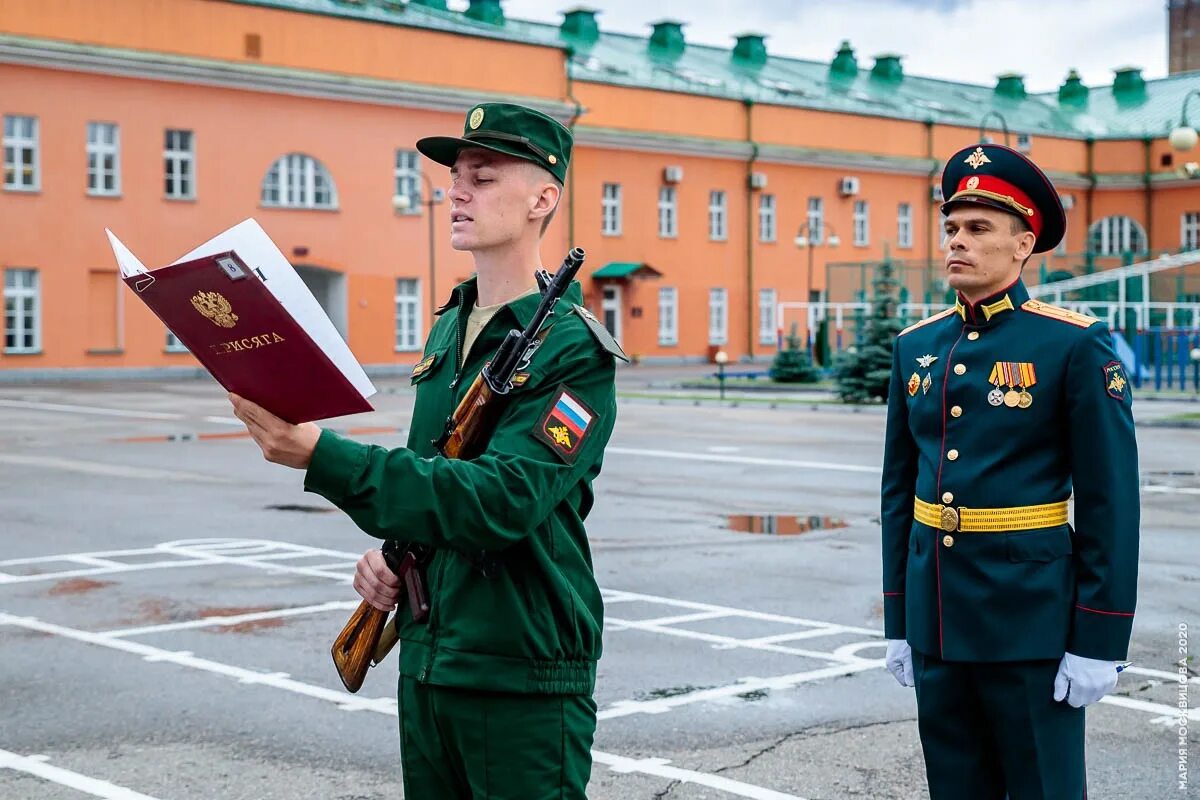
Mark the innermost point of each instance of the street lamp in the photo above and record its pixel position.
(983, 137)
(807, 237)
(1184, 137)
(1195, 355)
(722, 358)
(403, 203)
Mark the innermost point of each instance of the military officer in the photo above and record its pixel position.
(496, 688)
(1007, 619)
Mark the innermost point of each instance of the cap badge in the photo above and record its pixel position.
(978, 158)
(973, 182)
(476, 119)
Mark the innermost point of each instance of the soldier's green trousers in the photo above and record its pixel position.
(457, 744)
(993, 729)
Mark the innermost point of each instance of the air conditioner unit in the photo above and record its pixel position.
(848, 186)
(672, 174)
(1068, 201)
(1024, 142)
(758, 180)
(935, 193)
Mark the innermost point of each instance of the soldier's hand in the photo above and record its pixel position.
(281, 442)
(1083, 681)
(899, 662)
(375, 582)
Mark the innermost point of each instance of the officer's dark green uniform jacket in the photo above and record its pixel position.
(1023, 595)
(534, 624)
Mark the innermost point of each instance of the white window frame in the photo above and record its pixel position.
(18, 144)
(295, 181)
(816, 220)
(904, 232)
(668, 212)
(408, 180)
(103, 145)
(179, 164)
(408, 304)
(668, 316)
(766, 218)
(718, 316)
(1117, 236)
(718, 217)
(862, 223)
(1189, 230)
(610, 210)
(22, 289)
(767, 304)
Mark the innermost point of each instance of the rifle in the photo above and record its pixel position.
(369, 636)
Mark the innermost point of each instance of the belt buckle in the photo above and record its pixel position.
(949, 519)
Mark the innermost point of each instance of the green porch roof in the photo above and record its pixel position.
(615, 270)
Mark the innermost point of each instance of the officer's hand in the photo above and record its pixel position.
(375, 582)
(899, 662)
(1083, 681)
(281, 442)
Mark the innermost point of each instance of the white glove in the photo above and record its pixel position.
(899, 662)
(1083, 681)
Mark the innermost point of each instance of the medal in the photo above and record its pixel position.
(996, 397)
(1012, 398)
(1025, 400)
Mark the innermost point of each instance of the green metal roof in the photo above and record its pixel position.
(615, 270)
(627, 60)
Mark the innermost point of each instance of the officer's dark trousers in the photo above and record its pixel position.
(457, 744)
(991, 729)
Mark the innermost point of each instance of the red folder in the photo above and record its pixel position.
(221, 310)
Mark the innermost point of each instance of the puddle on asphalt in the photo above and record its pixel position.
(783, 524)
(672, 691)
(76, 586)
(756, 694)
(301, 508)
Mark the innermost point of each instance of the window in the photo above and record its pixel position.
(179, 165)
(717, 222)
(862, 224)
(668, 213)
(766, 217)
(904, 225)
(766, 316)
(408, 314)
(718, 317)
(1113, 236)
(408, 180)
(103, 159)
(816, 220)
(174, 345)
(668, 315)
(21, 154)
(22, 311)
(610, 208)
(298, 181)
(1189, 231)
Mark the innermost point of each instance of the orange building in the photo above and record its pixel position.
(697, 169)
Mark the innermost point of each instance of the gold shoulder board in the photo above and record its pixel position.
(927, 320)
(1060, 314)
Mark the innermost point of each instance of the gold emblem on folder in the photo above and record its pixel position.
(215, 308)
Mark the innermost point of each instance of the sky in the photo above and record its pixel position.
(965, 40)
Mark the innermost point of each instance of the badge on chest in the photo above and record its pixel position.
(916, 382)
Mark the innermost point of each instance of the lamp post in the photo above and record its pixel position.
(983, 137)
(403, 203)
(1184, 137)
(1195, 355)
(807, 237)
(722, 358)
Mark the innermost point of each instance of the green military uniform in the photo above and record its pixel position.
(496, 688)
(997, 412)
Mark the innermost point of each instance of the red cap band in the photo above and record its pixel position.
(1003, 193)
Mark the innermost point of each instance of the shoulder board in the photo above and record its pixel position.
(1060, 314)
(927, 320)
(601, 334)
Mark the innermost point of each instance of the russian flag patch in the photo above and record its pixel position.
(565, 424)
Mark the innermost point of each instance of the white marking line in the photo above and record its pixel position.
(1169, 677)
(620, 596)
(697, 617)
(37, 767)
(758, 462)
(789, 637)
(625, 708)
(658, 768)
(1155, 488)
(233, 619)
(104, 412)
(724, 642)
(109, 470)
(224, 420)
(1153, 708)
(381, 705)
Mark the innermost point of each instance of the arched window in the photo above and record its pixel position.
(1115, 235)
(298, 181)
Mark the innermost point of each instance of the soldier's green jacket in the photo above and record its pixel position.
(534, 624)
(1019, 595)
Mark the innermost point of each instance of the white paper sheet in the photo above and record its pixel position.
(256, 249)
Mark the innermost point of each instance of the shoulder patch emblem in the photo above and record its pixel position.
(424, 365)
(565, 424)
(1115, 380)
(1060, 314)
(927, 320)
(600, 332)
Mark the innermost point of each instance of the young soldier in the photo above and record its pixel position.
(496, 688)
(998, 409)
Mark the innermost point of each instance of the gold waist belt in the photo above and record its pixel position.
(990, 520)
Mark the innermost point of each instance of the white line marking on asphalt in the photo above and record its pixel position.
(621, 596)
(108, 470)
(104, 412)
(1156, 488)
(658, 768)
(1169, 677)
(758, 462)
(37, 767)
(724, 642)
(233, 619)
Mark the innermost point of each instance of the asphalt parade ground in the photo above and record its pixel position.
(168, 598)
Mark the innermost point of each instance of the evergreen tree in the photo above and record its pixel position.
(792, 364)
(865, 373)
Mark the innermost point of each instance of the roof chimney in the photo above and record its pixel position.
(440, 5)
(1129, 87)
(750, 50)
(1011, 85)
(887, 68)
(580, 26)
(1072, 92)
(667, 40)
(844, 65)
(488, 11)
